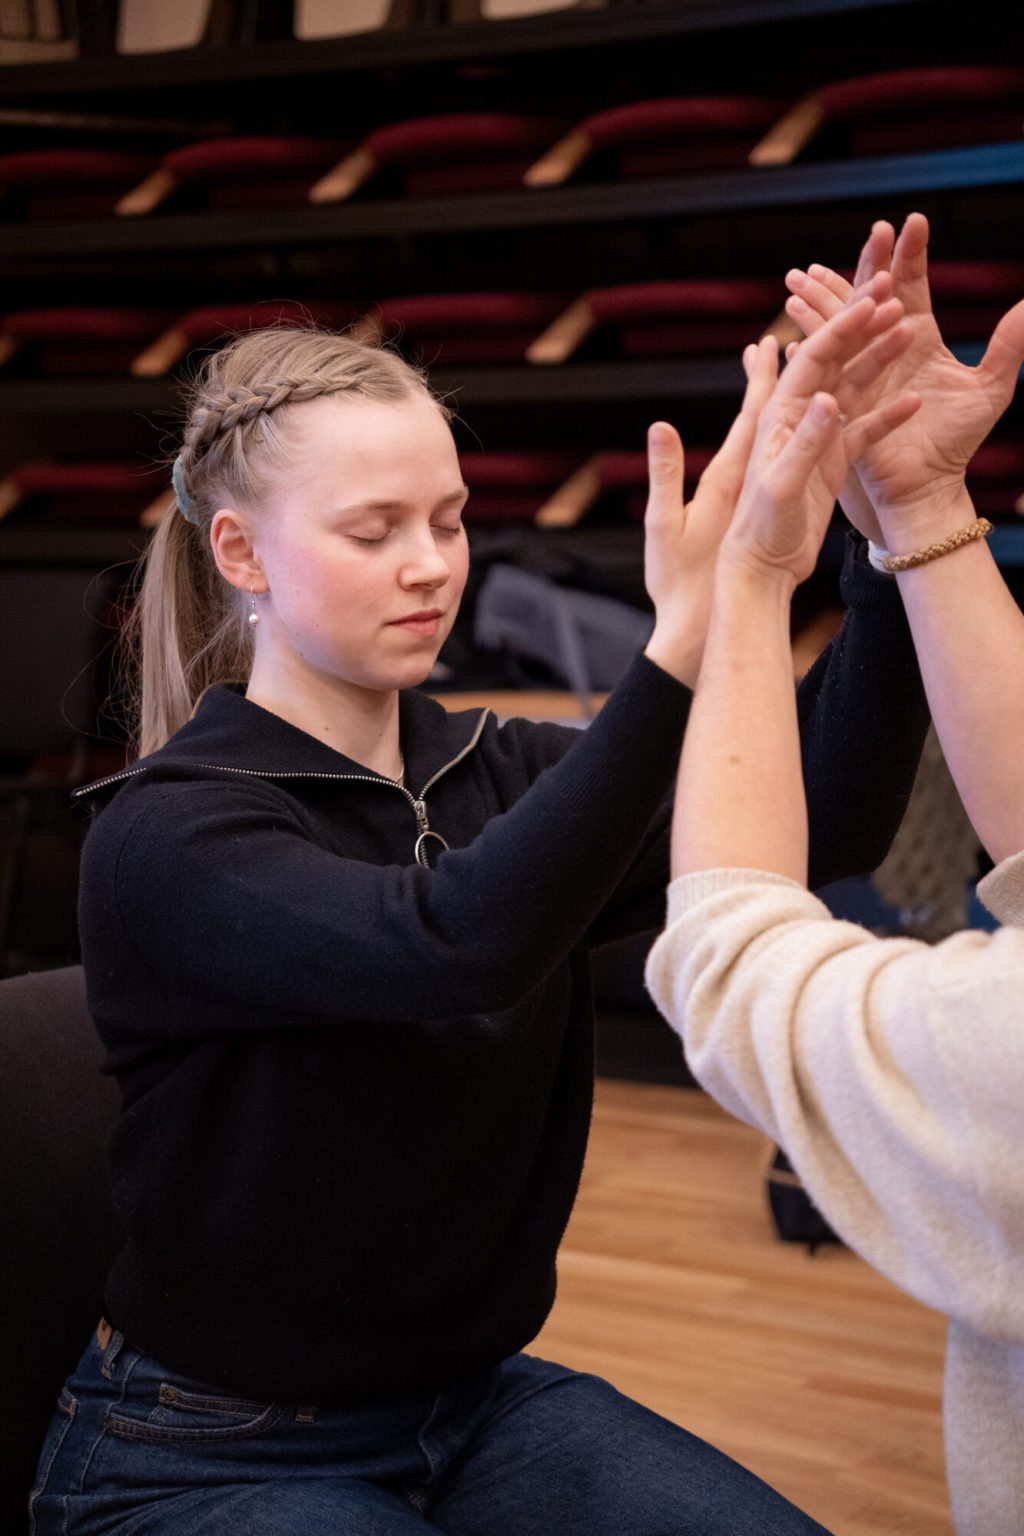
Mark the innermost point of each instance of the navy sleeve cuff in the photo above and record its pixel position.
(862, 587)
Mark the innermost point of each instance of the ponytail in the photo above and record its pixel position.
(186, 631)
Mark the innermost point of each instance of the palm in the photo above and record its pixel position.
(958, 407)
(788, 531)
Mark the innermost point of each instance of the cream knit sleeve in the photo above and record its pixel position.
(892, 1073)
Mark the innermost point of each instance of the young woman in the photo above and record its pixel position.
(892, 1072)
(336, 943)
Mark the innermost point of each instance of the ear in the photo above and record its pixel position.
(231, 540)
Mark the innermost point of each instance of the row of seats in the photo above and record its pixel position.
(472, 152)
(650, 319)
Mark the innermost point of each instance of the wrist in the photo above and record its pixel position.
(677, 652)
(912, 525)
(739, 572)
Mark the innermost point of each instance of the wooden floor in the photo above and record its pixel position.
(813, 1371)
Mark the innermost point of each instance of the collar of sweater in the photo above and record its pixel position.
(230, 732)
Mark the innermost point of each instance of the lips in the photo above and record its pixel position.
(426, 622)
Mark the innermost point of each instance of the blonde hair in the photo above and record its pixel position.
(187, 630)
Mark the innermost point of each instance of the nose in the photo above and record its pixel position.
(424, 564)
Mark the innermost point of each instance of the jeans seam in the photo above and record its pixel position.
(165, 1434)
(540, 1386)
(170, 1396)
(133, 1361)
(432, 1466)
(71, 1412)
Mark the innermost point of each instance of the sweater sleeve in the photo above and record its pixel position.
(245, 904)
(863, 719)
(891, 1072)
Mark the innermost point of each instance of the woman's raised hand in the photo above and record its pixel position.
(911, 476)
(833, 404)
(682, 541)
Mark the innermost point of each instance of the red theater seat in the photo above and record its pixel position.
(676, 136)
(459, 152)
(247, 171)
(455, 328)
(648, 319)
(205, 326)
(904, 110)
(79, 339)
(58, 184)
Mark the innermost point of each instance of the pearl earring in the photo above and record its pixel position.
(254, 617)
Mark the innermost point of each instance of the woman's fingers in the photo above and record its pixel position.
(876, 253)
(723, 477)
(886, 315)
(819, 362)
(868, 367)
(910, 265)
(761, 362)
(805, 315)
(865, 431)
(819, 294)
(1004, 354)
(665, 464)
(788, 498)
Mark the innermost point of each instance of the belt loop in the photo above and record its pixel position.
(110, 1342)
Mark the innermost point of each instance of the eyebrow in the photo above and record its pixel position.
(403, 506)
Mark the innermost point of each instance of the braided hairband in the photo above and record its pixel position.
(185, 504)
(244, 407)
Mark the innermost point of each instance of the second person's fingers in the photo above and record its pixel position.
(876, 253)
(664, 472)
(819, 362)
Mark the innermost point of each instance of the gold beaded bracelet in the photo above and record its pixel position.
(979, 529)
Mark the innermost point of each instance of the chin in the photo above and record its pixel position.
(410, 674)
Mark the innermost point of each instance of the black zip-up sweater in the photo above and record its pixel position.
(356, 1090)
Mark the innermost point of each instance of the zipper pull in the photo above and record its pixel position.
(420, 851)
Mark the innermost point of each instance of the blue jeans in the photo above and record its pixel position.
(528, 1449)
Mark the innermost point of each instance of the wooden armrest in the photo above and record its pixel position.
(162, 354)
(559, 162)
(564, 335)
(793, 131)
(568, 504)
(345, 178)
(8, 346)
(1018, 505)
(367, 329)
(11, 496)
(785, 331)
(149, 194)
(159, 508)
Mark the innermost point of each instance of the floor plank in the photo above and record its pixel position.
(813, 1371)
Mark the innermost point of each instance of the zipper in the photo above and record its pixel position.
(418, 802)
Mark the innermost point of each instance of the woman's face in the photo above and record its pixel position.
(363, 548)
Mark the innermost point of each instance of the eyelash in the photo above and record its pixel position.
(447, 532)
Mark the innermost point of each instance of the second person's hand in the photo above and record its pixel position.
(804, 442)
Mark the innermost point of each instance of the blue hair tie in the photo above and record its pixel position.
(185, 506)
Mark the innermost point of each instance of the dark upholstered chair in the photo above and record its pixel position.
(56, 1225)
